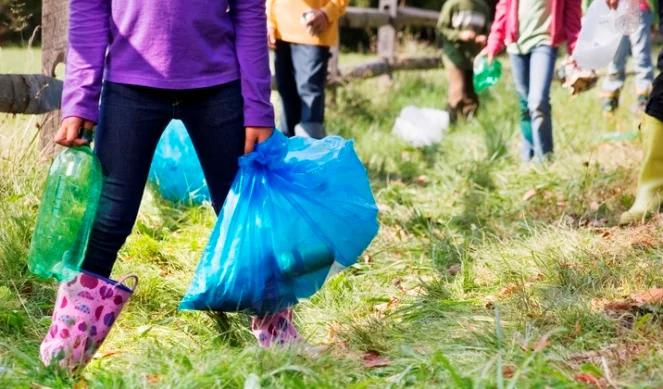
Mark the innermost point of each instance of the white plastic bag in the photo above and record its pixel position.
(602, 31)
(421, 126)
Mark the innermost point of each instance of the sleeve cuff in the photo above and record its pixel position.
(87, 113)
(259, 119)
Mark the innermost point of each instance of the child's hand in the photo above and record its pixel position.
(467, 35)
(481, 40)
(487, 54)
(69, 133)
(271, 37)
(255, 135)
(318, 23)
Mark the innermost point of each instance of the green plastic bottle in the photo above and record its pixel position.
(485, 74)
(304, 260)
(66, 213)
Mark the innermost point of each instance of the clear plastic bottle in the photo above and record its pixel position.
(66, 213)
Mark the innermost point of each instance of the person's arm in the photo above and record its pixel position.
(250, 22)
(89, 29)
(334, 9)
(572, 23)
(324, 17)
(444, 25)
(497, 30)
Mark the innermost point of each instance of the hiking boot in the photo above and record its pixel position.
(85, 310)
(650, 183)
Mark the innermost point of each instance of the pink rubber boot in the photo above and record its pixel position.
(275, 329)
(85, 310)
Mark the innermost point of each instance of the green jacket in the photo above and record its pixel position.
(457, 16)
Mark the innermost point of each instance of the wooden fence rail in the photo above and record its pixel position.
(356, 17)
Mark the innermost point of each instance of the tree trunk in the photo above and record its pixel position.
(29, 93)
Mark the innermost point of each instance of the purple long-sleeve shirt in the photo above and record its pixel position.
(169, 44)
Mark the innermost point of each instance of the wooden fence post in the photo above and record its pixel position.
(54, 20)
(387, 33)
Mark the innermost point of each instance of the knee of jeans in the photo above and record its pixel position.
(538, 107)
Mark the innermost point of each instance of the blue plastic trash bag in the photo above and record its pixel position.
(176, 171)
(297, 208)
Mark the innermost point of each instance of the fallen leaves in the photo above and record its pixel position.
(422, 180)
(152, 379)
(542, 342)
(454, 269)
(389, 306)
(372, 359)
(508, 371)
(589, 379)
(529, 194)
(509, 289)
(650, 301)
(616, 354)
(81, 384)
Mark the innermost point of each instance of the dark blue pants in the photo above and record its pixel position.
(131, 123)
(301, 74)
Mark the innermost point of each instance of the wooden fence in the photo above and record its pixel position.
(388, 18)
(41, 94)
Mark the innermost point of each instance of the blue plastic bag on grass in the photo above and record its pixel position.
(298, 208)
(175, 170)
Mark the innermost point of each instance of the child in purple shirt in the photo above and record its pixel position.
(131, 68)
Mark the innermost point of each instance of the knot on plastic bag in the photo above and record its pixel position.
(269, 153)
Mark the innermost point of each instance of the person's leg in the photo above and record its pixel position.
(542, 68)
(455, 89)
(520, 65)
(310, 63)
(287, 87)
(614, 80)
(649, 194)
(131, 121)
(641, 49)
(471, 99)
(215, 121)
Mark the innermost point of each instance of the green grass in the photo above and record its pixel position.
(486, 272)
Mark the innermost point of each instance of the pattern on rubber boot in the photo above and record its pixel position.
(85, 310)
(275, 329)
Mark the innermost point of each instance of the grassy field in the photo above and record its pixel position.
(486, 273)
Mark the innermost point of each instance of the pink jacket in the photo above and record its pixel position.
(566, 15)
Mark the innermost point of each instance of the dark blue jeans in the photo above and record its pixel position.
(131, 123)
(301, 74)
(533, 74)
